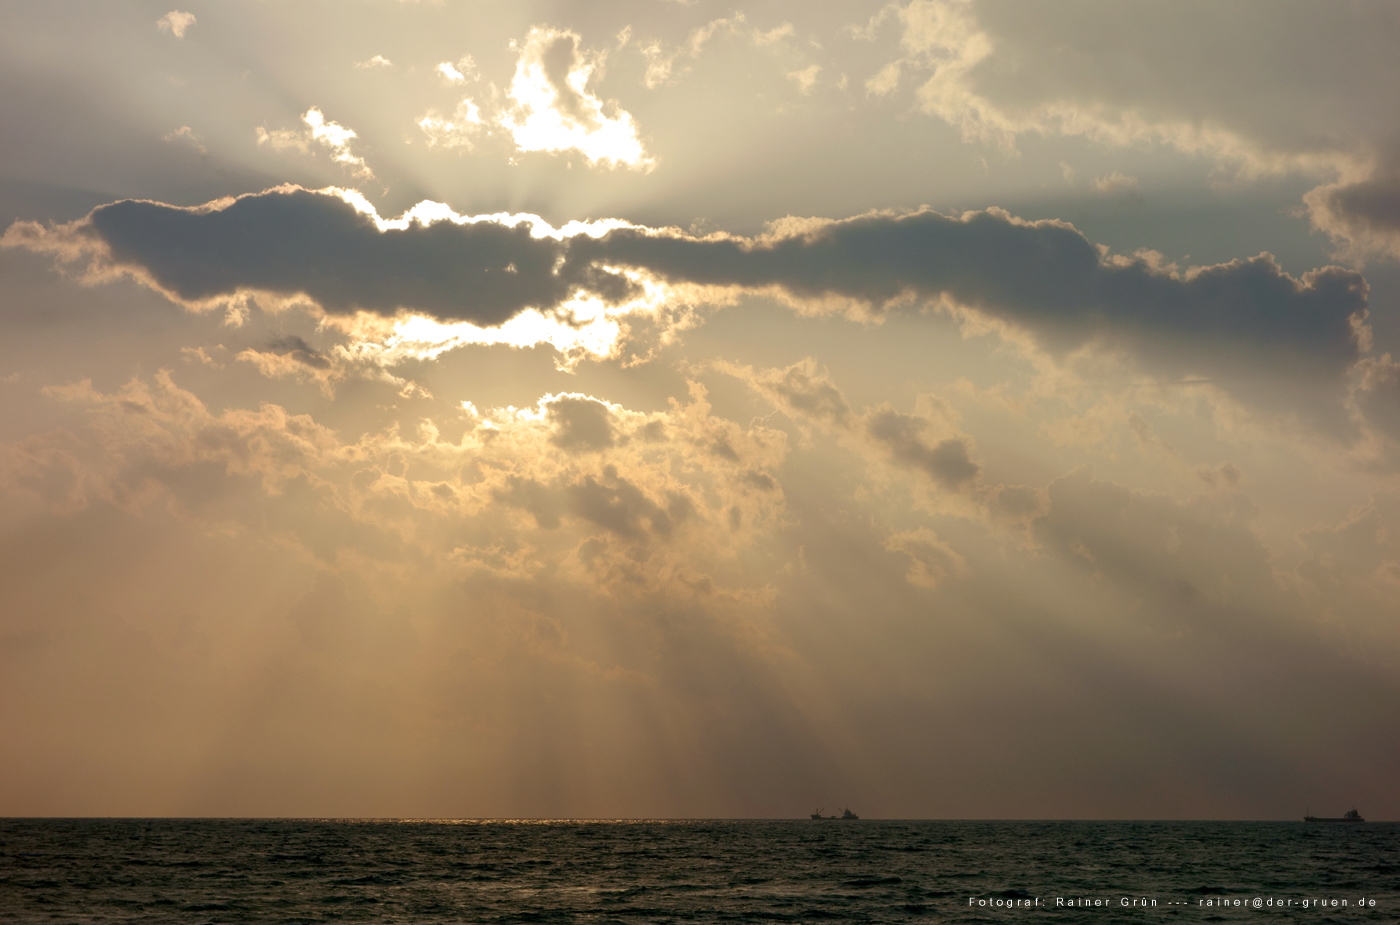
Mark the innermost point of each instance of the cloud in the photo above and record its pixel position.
(998, 70)
(458, 73)
(291, 357)
(1362, 215)
(1353, 568)
(1044, 277)
(1117, 183)
(187, 136)
(806, 78)
(906, 438)
(431, 280)
(328, 134)
(775, 35)
(296, 242)
(154, 438)
(644, 499)
(176, 22)
(332, 248)
(1186, 562)
(1311, 91)
(337, 138)
(1377, 394)
(458, 131)
(929, 442)
(931, 561)
(284, 139)
(614, 503)
(580, 423)
(803, 391)
(299, 350)
(376, 61)
(660, 63)
(555, 111)
(885, 81)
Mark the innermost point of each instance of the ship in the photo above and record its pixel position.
(845, 814)
(1351, 816)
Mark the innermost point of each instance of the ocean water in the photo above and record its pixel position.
(385, 871)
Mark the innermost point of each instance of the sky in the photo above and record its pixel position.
(650, 408)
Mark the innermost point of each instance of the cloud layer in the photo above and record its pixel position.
(1044, 277)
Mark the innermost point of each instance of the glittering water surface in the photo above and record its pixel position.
(290, 871)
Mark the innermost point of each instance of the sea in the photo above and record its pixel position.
(193, 871)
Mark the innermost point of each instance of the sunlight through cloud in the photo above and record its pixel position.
(554, 110)
(585, 327)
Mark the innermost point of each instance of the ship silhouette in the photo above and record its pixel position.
(1351, 816)
(845, 814)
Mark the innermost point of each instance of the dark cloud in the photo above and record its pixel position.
(1018, 500)
(1374, 203)
(806, 391)
(1043, 276)
(905, 436)
(620, 506)
(612, 502)
(759, 480)
(300, 242)
(1363, 216)
(810, 392)
(299, 350)
(580, 423)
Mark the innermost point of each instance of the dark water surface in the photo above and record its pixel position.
(292, 871)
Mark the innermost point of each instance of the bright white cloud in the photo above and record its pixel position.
(457, 73)
(428, 211)
(450, 73)
(176, 22)
(337, 137)
(555, 111)
(376, 61)
(583, 328)
(328, 134)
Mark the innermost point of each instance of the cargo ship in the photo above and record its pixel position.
(1351, 816)
(845, 814)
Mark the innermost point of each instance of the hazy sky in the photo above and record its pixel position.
(658, 408)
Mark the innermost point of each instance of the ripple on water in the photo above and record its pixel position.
(387, 872)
